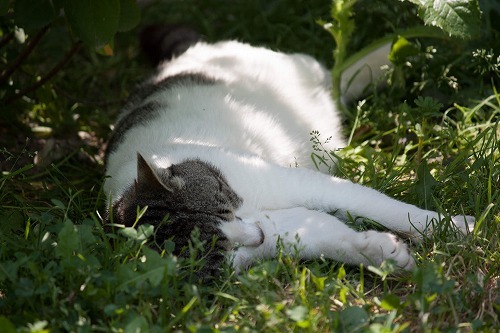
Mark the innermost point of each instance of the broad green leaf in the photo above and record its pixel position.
(144, 231)
(154, 266)
(68, 240)
(390, 302)
(129, 232)
(33, 15)
(126, 274)
(319, 282)
(95, 22)
(86, 235)
(353, 318)
(130, 15)
(152, 270)
(402, 49)
(6, 325)
(459, 18)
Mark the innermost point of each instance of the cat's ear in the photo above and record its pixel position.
(150, 179)
(147, 179)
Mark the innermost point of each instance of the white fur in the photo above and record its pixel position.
(255, 127)
(367, 70)
(299, 228)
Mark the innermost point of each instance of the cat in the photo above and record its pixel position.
(217, 142)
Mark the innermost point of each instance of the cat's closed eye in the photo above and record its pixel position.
(226, 214)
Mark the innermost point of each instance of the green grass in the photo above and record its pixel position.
(430, 137)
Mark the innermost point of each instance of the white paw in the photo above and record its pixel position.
(464, 222)
(376, 247)
(242, 258)
(243, 233)
(252, 234)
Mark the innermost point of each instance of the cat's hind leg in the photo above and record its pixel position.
(283, 188)
(312, 234)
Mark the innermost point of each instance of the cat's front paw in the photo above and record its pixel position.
(376, 247)
(241, 258)
(254, 236)
(464, 223)
(243, 233)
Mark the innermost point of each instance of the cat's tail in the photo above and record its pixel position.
(162, 42)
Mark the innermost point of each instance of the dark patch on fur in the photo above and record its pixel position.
(162, 42)
(184, 79)
(147, 112)
(185, 196)
(138, 116)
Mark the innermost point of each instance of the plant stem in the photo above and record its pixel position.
(341, 30)
(26, 52)
(6, 39)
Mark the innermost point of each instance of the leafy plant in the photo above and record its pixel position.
(24, 24)
(457, 18)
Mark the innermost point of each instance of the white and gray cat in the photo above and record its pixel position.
(219, 140)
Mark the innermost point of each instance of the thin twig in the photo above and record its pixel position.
(49, 75)
(6, 39)
(88, 102)
(26, 52)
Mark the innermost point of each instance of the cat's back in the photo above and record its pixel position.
(231, 95)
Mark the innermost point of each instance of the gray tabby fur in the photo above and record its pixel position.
(180, 198)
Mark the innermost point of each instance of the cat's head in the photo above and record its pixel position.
(181, 198)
